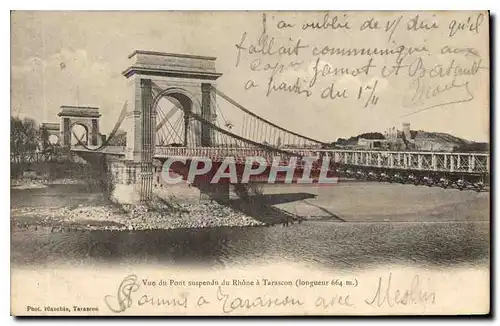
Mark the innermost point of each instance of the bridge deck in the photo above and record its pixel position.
(423, 161)
(467, 163)
(114, 150)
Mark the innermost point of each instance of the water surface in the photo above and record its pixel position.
(342, 242)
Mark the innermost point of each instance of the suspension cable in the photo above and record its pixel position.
(118, 123)
(162, 130)
(218, 107)
(166, 117)
(168, 121)
(244, 140)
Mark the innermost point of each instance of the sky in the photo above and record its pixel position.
(77, 58)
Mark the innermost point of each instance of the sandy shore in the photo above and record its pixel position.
(176, 207)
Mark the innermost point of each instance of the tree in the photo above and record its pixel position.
(24, 137)
(341, 141)
(44, 137)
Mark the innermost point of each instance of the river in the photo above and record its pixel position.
(367, 225)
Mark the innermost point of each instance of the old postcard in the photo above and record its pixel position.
(250, 163)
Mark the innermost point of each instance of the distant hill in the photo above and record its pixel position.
(354, 140)
(473, 147)
(443, 141)
(423, 140)
(436, 141)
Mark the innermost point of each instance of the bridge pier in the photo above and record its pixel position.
(125, 182)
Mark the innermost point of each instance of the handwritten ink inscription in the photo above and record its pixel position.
(386, 294)
(133, 292)
(424, 60)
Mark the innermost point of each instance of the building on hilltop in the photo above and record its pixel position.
(407, 139)
(400, 140)
(364, 143)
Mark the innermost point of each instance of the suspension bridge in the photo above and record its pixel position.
(178, 112)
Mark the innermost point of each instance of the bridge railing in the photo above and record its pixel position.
(424, 161)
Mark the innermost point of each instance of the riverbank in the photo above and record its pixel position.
(369, 224)
(70, 204)
(37, 183)
(158, 215)
(78, 207)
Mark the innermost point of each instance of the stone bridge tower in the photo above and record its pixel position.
(49, 129)
(186, 81)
